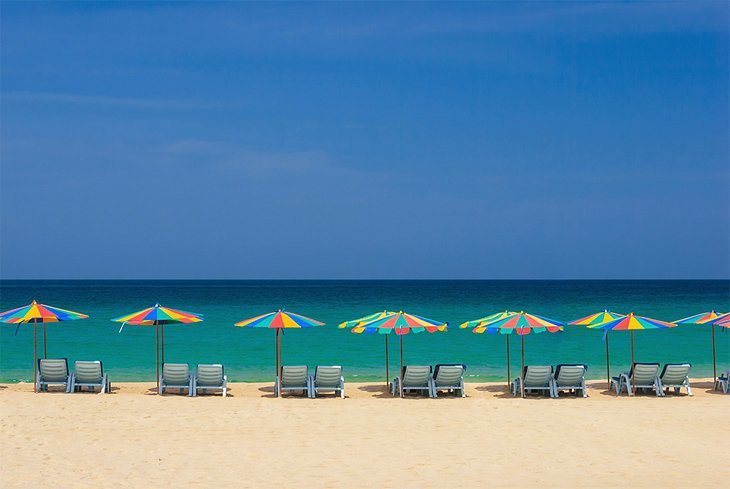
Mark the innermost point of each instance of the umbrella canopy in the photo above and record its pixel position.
(522, 324)
(157, 316)
(366, 319)
(723, 321)
(486, 319)
(631, 323)
(38, 313)
(596, 319)
(712, 318)
(279, 320)
(400, 323)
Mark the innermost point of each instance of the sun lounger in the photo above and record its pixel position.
(675, 375)
(293, 378)
(569, 377)
(210, 377)
(413, 378)
(327, 379)
(53, 371)
(90, 374)
(176, 376)
(641, 376)
(534, 378)
(723, 382)
(448, 378)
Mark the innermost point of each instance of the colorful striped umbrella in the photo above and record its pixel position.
(711, 318)
(157, 316)
(38, 313)
(366, 319)
(279, 320)
(486, 319)
(600, 318)
(723, 321)
(400, 323)
(631, 323)
(522, 324)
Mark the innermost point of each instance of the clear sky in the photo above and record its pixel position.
(353, 140)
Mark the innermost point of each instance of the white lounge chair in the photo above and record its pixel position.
(90, 374)
(641, 376)
(293, 378)
(569, 377)
(327, 379)
(675, 375)
(534, 378)
(413, 378)
(723, 382)
(210, 377)
(176, 376)
(53, 371)
(449, 378)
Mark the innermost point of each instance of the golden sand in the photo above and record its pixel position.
(133, 438)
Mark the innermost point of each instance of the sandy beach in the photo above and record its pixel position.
(133, 438)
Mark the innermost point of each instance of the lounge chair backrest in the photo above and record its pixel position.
(416, 375)
(176, 373)
(537, 375)
(644, 373)
(88, 372)
(570, 374)
(209, 374)
(327, 376)
(53, 369)
(449, 374)
(294, 376)
(675, 373)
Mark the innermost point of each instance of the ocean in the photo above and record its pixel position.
(248, 354)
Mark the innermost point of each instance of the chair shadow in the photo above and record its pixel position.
(269, 393)
(500, 391)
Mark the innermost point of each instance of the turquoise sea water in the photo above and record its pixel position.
(248, 354)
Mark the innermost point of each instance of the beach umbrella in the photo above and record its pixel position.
(279, 320)
(600, 318)
(366, 319)
(712, 318)
(631, 322)
(522, 324)
(38, 313)
(400, 323)
(485, 320)
(158, 316)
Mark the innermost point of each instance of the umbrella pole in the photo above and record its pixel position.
(522, 372)
(387, 375)
(35, 356)
(714, 360)
(157, 355)
(45, 355)
(276, 349)
(608, 368)
(162, 339)
(400, 372)
(508, 361)
(632, 349)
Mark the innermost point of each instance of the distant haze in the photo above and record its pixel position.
(365, 140)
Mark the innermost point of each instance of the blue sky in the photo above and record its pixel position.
(352, 140)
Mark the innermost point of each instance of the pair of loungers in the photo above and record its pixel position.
(208, 377)
(543, 378)
(424, 380)
(646, 376)
(296, 378)
(86, 374)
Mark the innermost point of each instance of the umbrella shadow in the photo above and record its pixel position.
(379, 391)
(500, 391)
